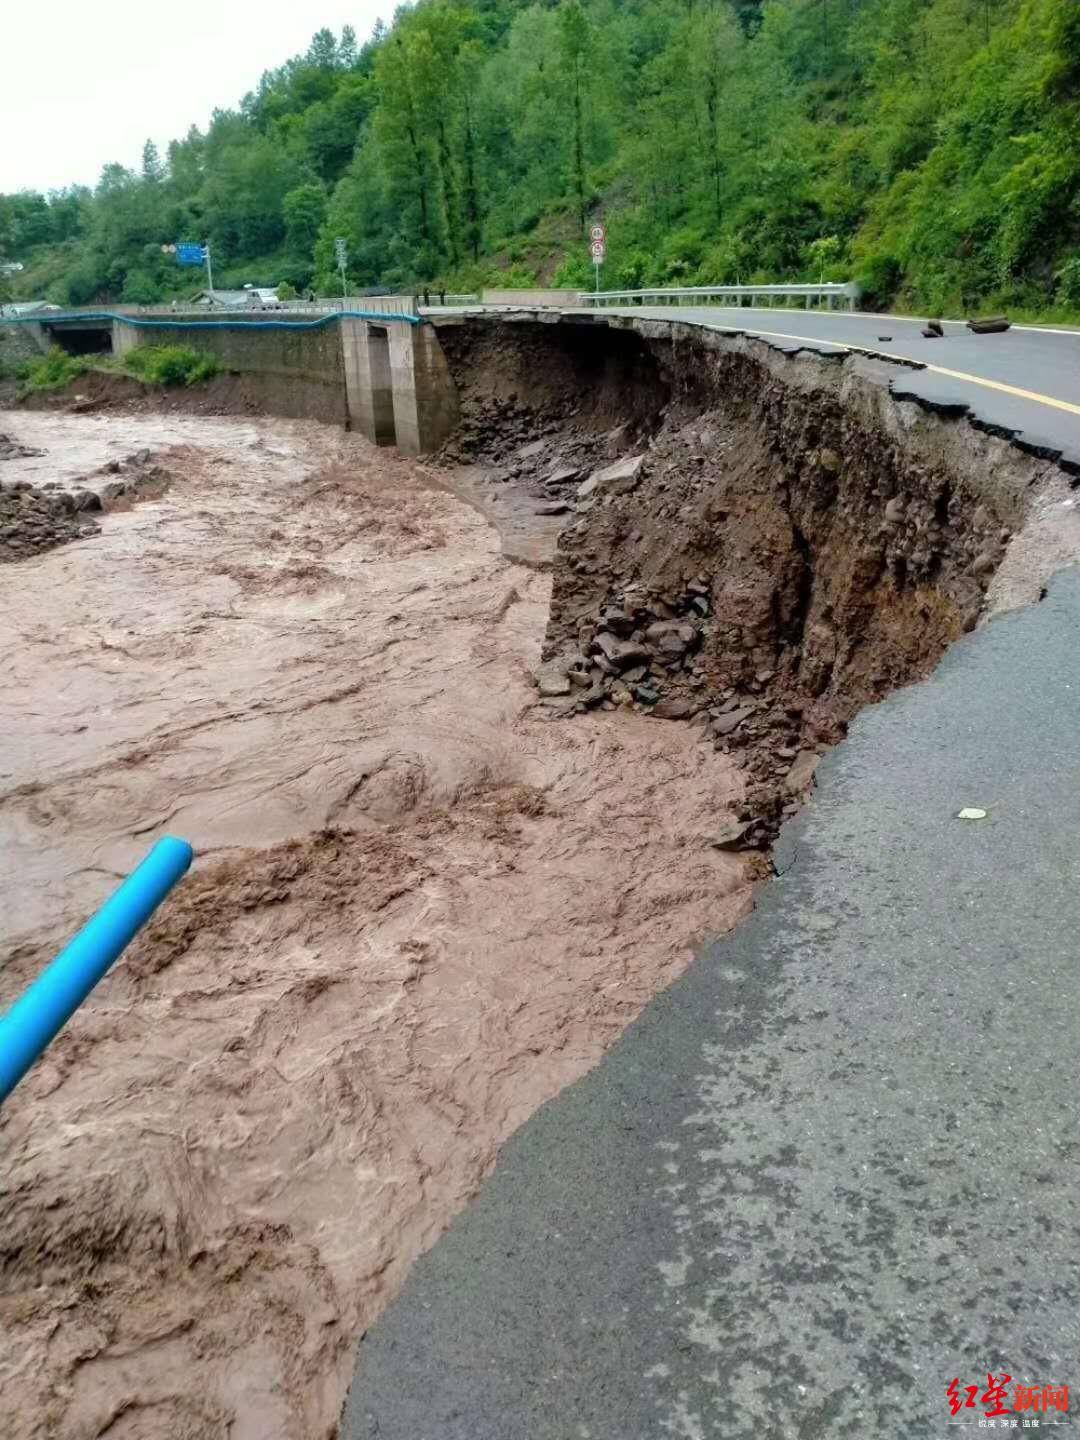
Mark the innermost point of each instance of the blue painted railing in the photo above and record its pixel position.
(57, 317)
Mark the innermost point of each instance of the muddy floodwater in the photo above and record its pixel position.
(421, 906)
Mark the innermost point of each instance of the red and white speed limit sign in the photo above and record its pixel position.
(597, 250)
(598, 233)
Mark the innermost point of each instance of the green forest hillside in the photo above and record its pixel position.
(928, 148)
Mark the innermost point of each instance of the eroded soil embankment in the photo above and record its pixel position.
(759, 543)
(420, 909)
(106, 392)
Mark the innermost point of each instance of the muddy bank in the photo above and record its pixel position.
(247, 395)
(420, 909)
(755, 543)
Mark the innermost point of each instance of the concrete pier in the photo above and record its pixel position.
(397, 385)
(369, 386)
(425, 398)
(124, 337)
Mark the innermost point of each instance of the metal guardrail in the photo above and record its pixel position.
(448, 298)
(824, 293)
(380, 304)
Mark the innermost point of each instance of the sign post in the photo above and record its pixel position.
(190, 254)
(341, 250)
(598, 250)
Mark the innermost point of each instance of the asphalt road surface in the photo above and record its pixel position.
(838, 1163)
(1024, 382)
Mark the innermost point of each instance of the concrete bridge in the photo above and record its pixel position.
(371, 364)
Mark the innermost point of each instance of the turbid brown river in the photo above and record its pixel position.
(420, 908)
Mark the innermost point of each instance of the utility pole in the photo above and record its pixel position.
(341, 250)
(209, 271)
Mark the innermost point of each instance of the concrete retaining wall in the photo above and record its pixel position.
(300, 373)
(388, 380)
(21, 342)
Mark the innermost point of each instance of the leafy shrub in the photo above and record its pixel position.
(575, 272)
(631, 274)
(171, 365)
(140, 288)
(53, 371)
(880, 278)
(1068, 278)
(823, 259)
(681, 253)
(285, 291)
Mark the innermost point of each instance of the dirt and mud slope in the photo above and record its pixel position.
(758, 543)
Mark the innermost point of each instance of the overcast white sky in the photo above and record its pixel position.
(83, 83)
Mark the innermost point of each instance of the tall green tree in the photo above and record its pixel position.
(304, 212)
(930, 148)
(152, 168)
(575, 53)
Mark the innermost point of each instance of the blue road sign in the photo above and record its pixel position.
(190, 254)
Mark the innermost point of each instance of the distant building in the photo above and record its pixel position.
(26, 307)
(253, 296)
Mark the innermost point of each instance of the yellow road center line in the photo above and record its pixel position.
(886, 318)
(1016, 390)
(1035, 395)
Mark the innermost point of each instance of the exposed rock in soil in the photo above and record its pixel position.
(511, 392)
(773, 545)
(33, 520)
(12, 450)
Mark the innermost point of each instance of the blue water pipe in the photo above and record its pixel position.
(58, 992)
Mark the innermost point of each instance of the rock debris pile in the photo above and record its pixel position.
(747, 547)
(139, 478)
(34, 518)
(12, 450)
